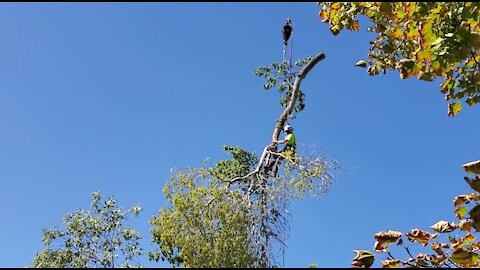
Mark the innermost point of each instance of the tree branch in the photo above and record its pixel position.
(294, 93)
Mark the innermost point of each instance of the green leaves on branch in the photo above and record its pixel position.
(95, 238)
(206, 225)
(426, 40)
(282, 75)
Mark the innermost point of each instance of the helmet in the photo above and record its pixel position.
(288, 128)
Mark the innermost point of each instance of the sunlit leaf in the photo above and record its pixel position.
(420, 236)
(362, 259)
(385, 238)
(461, 211)
(454, 109)
(443, 227)
(472, 167)
(390, 263)
(361, 63)
(465, 198)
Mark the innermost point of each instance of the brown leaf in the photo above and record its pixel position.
(472, 167)
(474, 183)
(460, 242)
(385, 238)
(421, 236)
(390, 263)
(465, 198)
(421, 260)
(465, 225)
(363, 259)
(475, 217)
(437, 247)
(444, 227)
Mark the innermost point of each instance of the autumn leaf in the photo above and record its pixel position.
(444, 227)
(385, 238)
(407, 68)
(464, 258)
(475, 217)
(460, 211)
(362, 259)
(454, 108)
(361, 63)
(474, 183)
(472, 167)
(390, 263)
(420, 236)
(437, 247)
(465, 225)
(464, 198)
(469, 238)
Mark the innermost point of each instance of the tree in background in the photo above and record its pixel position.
(95, 238)
(426, 40)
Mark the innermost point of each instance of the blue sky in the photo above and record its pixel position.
(109, 96)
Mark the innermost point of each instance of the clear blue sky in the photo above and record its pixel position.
(109, 96)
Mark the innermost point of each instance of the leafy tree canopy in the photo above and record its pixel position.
(426, 40)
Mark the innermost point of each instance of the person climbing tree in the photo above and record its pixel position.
(290, 145)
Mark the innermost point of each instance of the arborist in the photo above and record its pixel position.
(290, 145)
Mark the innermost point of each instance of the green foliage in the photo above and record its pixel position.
(452, 244)
(426, 40)
(92, 239)
(214, 222)
(206, 225)
(282, 75)
(240, 164)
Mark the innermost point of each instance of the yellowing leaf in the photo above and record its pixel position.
(454, 108)
(465, 240)
(390, 263)
(464, 258)
(322, 14)
(397, 33)
(460, 211)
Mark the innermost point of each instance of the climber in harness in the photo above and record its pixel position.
(290, 145)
